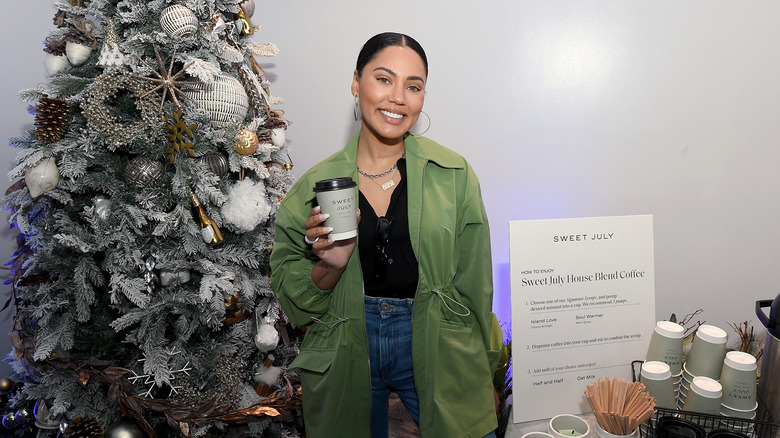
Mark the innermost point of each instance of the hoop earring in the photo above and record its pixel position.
(427, 128)
(356, 109)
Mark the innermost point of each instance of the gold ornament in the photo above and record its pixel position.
(246, 142)
(246, 25)
(6, 384)
(166, 80)
(177, 130)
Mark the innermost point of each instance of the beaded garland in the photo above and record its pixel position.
(100, 118)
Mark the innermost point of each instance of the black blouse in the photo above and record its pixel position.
(386, 256)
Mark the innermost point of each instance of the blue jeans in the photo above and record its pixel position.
(389, 330)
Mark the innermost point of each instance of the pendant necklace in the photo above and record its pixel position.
(390, 182)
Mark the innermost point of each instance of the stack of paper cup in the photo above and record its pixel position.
(666, 345)
(704, 396)
(738, 379)
(657, 378)
(707, 352)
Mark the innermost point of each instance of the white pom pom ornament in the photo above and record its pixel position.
(246, 206)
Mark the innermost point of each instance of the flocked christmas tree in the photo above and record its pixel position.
(144, 201)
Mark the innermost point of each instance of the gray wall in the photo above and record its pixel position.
(565, 108)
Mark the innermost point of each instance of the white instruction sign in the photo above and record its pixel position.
(583, 296)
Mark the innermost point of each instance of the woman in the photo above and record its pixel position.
(410, 311)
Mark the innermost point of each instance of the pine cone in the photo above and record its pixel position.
(275, 120)
(55, 47)
(83, 427)
(51, 119)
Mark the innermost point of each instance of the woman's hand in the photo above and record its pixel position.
(333, 254)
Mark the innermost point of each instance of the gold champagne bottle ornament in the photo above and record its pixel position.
(209, 230)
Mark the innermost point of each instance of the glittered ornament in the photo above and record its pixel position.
(143, 172)
(180, 135)
(216, 162)
(224, 99)
(178, 21)
(110, 55)
(125, 429)
(42, 178)
(246, 142)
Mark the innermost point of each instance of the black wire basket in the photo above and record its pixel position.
(762, 426)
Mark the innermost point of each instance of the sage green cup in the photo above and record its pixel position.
(707, 352)
(657, 378)
(704, 396)
(739, 381)
(338, 198)
(666, 345)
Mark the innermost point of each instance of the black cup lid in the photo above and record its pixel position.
(326, 185)
(725, 433)
(673, 427)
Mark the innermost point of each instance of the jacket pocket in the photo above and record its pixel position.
(315, 361)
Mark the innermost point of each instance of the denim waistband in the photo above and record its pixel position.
(389, 305)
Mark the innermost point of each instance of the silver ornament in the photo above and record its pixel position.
(224, 99)
(178, 21)
(143, 172)
(22, 416)
(102, 207)
(216, 162)
(174, 276)
(9, 420)
(43, 177)
(248, 7)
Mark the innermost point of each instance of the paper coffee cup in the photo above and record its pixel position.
(666, 345)
(657, 378)
(738, 378)
(707, 352)
(704, 396)
(337, 197)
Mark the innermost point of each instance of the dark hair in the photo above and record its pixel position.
(378, 42)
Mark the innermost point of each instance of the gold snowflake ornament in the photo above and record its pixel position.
(178, 134)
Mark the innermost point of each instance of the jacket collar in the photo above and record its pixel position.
(416, 146)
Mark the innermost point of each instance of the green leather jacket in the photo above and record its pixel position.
(456, 338)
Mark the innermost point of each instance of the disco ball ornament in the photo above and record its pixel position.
(224, 99)
(216, 162)
(178, 21)
(143, 172)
